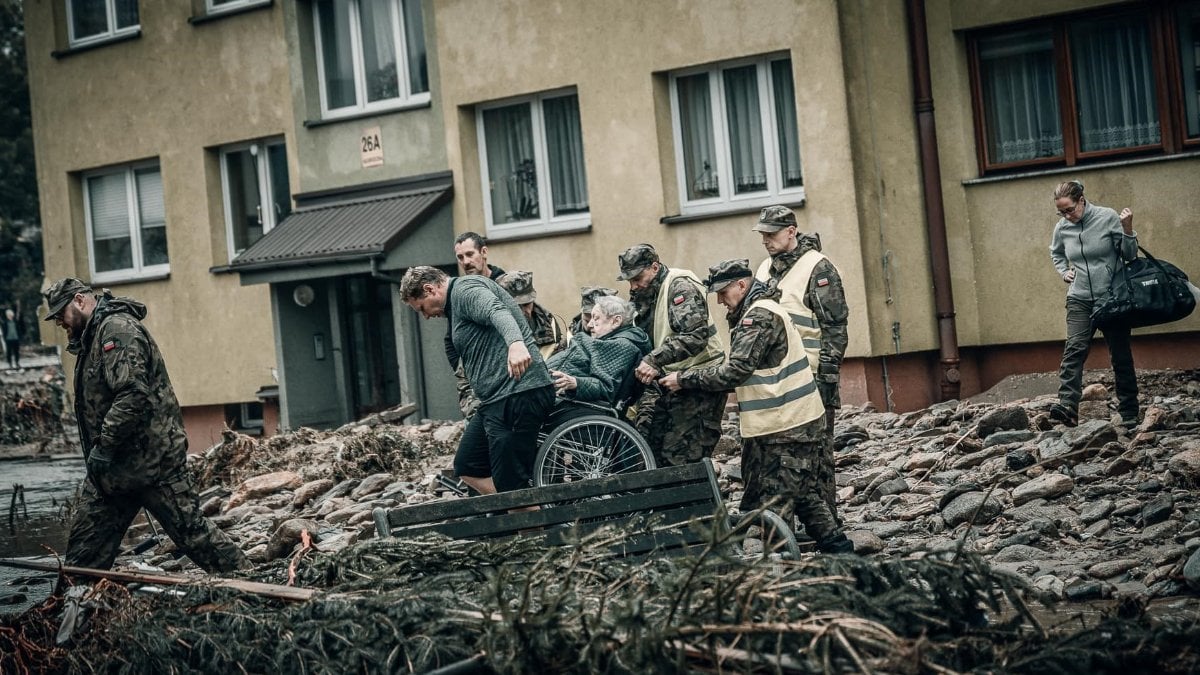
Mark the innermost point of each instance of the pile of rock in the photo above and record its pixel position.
(1083, 512)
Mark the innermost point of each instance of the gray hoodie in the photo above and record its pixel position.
(1094, 248)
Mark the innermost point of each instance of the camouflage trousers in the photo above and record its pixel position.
(826, 467)
(784, 473)
(681, 427)
(100, 522)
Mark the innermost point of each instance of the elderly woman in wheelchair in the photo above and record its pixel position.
(586, 436)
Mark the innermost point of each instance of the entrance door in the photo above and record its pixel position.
(374, 377)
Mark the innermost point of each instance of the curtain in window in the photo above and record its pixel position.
(785, 122)
(564, 145)
(1114, 84)
(696, 128)
(414, 42)
(109, 204)
(1189, 59)
(379, 49)
(153, 216)
(1020, 96)
(333, 20)
(512, 173)
(745, 129)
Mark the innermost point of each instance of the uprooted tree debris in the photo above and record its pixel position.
(970, 509)
(417, 605)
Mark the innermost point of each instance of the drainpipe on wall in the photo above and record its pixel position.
(935, 215)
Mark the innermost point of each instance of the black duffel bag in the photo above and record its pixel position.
(1145, 292)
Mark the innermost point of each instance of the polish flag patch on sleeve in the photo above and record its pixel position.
(747, 322)
(109, 345)
(822, 282)
(677, 300)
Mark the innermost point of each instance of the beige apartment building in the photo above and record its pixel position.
(581, 128)
(260, 172)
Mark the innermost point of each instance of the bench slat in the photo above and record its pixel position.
(642, 480)
(499, 525)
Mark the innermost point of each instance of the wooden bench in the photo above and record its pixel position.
(669, 499)
(673, 496)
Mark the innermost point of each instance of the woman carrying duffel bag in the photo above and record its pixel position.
(1089, 243)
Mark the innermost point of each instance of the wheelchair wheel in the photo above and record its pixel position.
(592, 446)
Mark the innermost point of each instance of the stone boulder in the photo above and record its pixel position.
(1186, 466)
(310, 491)
(961, 508)
(287, 535)
(266, 484)
(865, 542)
(372, 484)
(1046, 486)
(1011, 418)
(1191, 571)
(1111, 568)
(1158, 509)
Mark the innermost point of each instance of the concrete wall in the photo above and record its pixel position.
(172, 94)
(617, 55)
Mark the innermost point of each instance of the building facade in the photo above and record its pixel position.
(307, 151)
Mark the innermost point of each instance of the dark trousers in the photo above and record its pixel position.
(1075, 353)
(14, 352)
(100, 522)
(500, 440)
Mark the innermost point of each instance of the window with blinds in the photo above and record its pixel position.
(126, 223)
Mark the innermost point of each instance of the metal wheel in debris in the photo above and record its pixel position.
(592, 446)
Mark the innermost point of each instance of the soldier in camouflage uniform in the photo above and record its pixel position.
(812, 293)
(587, 300)
(671, 307)
(781, 416)
(134, 443)
(549, 330)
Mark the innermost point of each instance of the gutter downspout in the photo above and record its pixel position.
(935, 216)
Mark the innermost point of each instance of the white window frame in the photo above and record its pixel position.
(211, 7)
(727, 200)
(548, 223)
(112, 33)
(138, 271)
(265, 193)
(406, 99)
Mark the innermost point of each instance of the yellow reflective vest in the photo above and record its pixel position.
(784, 397)
(713, 350)
(793, 286)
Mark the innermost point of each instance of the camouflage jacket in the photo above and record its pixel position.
(123, 398)
(758, 339)
(543, 325)
(825, 297)
(688, 318)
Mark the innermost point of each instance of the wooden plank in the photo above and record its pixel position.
(476, 506)
(617, 505)
(162, 579)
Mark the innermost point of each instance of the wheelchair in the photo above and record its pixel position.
(584, 440)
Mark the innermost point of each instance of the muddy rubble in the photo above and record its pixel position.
(965, 515)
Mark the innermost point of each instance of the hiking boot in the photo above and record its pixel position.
(1063, 414)
(839, 543)
(1128, 424)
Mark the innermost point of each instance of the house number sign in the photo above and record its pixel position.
(371, 148)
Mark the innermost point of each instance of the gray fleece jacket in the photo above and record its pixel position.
(484, 321)
(1094, 247)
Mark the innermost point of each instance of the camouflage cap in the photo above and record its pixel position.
(60, 293)
(774, 218)
(635, 259)
(726, 272)
(589, 294)
(519, 284)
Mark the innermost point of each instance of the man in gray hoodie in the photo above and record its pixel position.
(503, 365)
